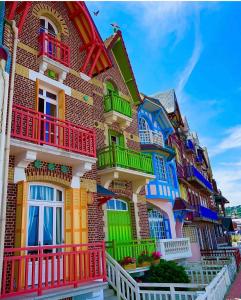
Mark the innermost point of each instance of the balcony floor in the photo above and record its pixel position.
(49, 153)
(65, 292)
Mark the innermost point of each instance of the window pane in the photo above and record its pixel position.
(48, 226)
(51, 96)
(59, 196)
(41, 193)
(59, 225)
(41, 105)
(111, 204)
(33, 225)
(120, 205)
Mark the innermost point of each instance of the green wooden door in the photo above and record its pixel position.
(119, 221)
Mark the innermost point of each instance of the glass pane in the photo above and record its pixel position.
(48, 226)
(120, 205)
(41, 105)
(38, 192)
(50, 109)
(51, 96)
(59, 196)
(59, 225)
(33, 225)
(111, 204)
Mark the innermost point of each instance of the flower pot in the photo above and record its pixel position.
(130, 266)
(144, 264)
(156, 261)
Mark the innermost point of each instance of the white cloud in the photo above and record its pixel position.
(192, 62)
(229, 181)
(232, 140)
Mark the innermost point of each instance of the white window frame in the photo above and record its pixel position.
(49, 100)
(115, 201)
(41, 205)
(161, 168)
(155, 217)
(46, 21)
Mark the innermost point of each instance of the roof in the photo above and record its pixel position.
(167, 99)
(117, 45)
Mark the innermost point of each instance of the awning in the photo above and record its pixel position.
(181, 204)
(227, 223)
(104, 194)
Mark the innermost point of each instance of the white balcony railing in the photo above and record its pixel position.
(172, 249)
(151, 137)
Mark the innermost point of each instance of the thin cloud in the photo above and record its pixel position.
(228, 180)
(192, 62)
(232, 140)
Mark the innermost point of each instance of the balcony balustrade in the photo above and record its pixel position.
(115, 156)
(120, 249)
(38, 269)
(54, 49)
(38, 128)
(151, 137)
(172, 249)
(113, 102)
(204, 212)
(189, 146)
(195, 176)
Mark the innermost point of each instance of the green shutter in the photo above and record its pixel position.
(121, 138)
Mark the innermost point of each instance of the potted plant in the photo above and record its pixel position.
(144, 259)
(156, 255)
(128, 263)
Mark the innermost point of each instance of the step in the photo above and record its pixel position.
(108, 293)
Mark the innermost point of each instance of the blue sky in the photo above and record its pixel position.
(195, 48)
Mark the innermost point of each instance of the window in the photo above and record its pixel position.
(143, 125)
(160, 168)
(159, 225)
(115, 204)
(47, 26)
(45, 215)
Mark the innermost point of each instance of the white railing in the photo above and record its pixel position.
(216, 278)
(218, 287)
(151, 137)
(172, 249)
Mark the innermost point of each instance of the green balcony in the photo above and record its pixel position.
(120, 249)
(117, 109)
(115, 156)
(118, 163)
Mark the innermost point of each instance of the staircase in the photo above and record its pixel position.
(109, 294)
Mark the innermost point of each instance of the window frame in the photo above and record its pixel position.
(42, 204)
(160, 168)
(115, 209)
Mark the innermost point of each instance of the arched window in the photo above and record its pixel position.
(111, 87)
(48, 26)
(143, 125)
(159, 225)
(45, 215)
(116, 204)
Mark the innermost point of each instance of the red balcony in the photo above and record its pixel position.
(51, 47)
(35, 127)
(38, 269)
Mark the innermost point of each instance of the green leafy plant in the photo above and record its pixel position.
(144, 257)
(166, 272)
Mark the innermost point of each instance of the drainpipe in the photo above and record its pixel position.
(7, 150)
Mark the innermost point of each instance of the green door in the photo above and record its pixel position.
(119, 228)
(119, 221)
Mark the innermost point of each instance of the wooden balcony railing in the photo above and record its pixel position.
(42, 129)
(120, 249)
(114, 102)
(53, 48)
(115, 156)
(37, 269)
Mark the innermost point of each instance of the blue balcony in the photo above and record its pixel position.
(189, 146)
(196, 177)
(207, 213)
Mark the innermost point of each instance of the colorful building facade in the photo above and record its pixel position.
(91, 164)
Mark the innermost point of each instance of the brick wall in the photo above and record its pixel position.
(77, 111)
